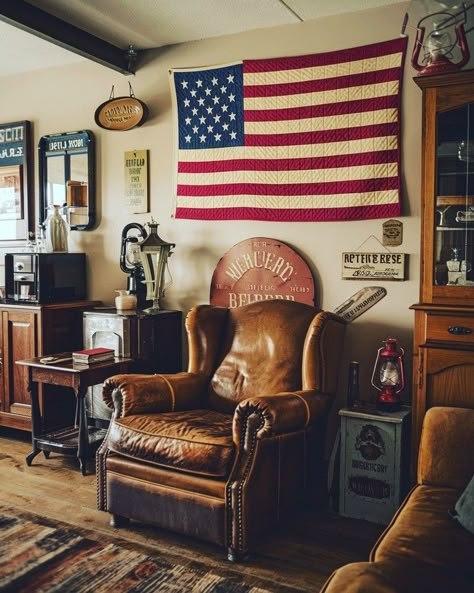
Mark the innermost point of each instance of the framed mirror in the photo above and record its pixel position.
(16, 191)
(67, 177)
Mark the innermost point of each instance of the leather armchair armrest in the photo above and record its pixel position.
(446, 439)
(270, 415)
(141, 394)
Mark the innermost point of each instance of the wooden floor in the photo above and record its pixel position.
(300, 554)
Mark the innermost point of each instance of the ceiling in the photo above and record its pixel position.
(145, 24)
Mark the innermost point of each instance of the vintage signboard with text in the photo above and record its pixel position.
(260, 269)
(358, 265)
(136, 181)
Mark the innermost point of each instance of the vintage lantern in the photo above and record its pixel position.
(388, 376)
(154, 254)
(439, 35)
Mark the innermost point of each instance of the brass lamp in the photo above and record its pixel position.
(154, 254)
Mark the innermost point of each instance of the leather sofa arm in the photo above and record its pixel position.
(271, 415)
(141, 394)
(445, 455)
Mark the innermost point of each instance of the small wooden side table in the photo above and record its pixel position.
(79, 439)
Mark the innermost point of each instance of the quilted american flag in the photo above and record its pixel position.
(305, 138)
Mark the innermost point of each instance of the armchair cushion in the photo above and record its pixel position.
(196, 441)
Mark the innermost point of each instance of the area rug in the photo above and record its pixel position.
(40, 555)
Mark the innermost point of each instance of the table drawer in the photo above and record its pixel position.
(450, 328)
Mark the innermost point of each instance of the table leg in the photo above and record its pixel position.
(83, 435)
(35, 418)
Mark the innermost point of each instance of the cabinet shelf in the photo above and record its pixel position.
(443, 342)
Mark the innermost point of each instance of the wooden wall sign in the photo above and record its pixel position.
(373, 266)
(136, 181)
(260, 269)
(122, 113)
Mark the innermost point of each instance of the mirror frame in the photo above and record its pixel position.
(16, 160)
(67, 144)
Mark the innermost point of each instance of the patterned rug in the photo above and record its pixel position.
(41, 555)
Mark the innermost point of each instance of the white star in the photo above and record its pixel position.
(233, 135)
(186, 102)
(199, 83)
(217, 137)
(202, 120)
(193, 93)
(217, 118)
(231, 97)
(210, 128)
(201, 102)
(195, 111)
(225, 127)
(209, 109)
(216, 100)
(202, 138)
(188, 138)
(187, 121)
(230, 78)
(232, 116)
(195, 129)
(184, 84)
(224, 108)
(214, 81)
(223, 89)
(207, 91)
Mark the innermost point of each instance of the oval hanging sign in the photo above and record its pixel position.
(122, 113)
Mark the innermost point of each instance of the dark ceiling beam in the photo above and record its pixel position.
(42, 24)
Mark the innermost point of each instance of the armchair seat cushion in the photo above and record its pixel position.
(195, 441)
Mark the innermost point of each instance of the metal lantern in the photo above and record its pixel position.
(388, 376)
(439, 34)
(154, 254)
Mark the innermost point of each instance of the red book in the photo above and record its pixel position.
(94, 351)
(93, 355)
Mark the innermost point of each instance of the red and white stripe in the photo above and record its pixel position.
(321, 142)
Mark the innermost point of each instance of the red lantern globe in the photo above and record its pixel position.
(388, 376)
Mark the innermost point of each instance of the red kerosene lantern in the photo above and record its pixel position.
(388, 376)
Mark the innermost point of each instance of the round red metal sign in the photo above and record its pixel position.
(260, 269)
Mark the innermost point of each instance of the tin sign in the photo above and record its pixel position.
(392, 232)
(261, 269)
(373, 266)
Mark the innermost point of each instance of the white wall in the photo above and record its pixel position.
(64, 99)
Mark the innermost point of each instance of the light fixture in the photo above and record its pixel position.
(440, 35)
(154, 254)
(388, 376)
(131, 55)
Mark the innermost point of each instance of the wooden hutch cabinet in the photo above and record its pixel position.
(444, 317)
(27, 331)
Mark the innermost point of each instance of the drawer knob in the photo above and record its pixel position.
(459, 330)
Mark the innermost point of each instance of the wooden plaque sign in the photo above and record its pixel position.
(373, 266)
(260, 269)
(122, 113)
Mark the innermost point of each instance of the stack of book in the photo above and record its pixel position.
(92, 356)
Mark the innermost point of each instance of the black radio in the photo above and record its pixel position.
(45, 277)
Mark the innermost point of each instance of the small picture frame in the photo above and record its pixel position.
(11, 193)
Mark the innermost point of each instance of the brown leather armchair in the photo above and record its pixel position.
(225, 450)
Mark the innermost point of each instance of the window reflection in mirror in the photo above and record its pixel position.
(67, 177)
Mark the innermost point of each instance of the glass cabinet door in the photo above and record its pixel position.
(454, 199)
